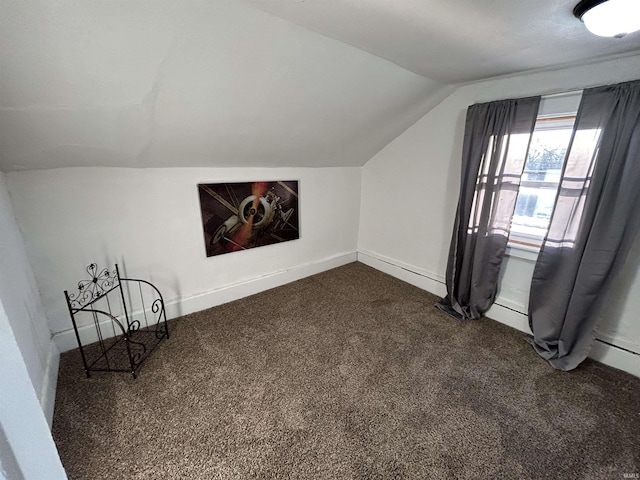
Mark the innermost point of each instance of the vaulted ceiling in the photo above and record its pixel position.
(254, 82)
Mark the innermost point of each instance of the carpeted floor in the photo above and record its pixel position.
(350, 374)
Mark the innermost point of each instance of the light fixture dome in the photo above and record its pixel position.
(609, 18)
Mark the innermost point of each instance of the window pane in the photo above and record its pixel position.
(539, 184)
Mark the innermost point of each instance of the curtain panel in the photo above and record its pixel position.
(594, 222)
(496, 142)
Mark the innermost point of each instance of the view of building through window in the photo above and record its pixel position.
(540, 179)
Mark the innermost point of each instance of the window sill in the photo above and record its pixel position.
(524, 252)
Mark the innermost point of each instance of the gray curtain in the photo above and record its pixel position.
(496, 142)
(595, 219)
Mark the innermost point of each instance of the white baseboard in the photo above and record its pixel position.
(66, 339)
(506, 312)
(237, 291)
(417, 277)
(503, 311)
(50, 382)
(616, 357)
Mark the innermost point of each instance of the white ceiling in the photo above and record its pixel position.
(190, 83)
(456, 41)
(253, 82)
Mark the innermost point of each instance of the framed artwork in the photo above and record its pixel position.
(239, 216)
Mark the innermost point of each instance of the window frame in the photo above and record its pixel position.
(527, 245)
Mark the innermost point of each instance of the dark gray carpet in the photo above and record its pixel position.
(350, 374)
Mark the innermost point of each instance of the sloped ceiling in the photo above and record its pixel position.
(254, 82)
(191, 83)
(455, 41)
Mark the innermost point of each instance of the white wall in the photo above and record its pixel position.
(410, 190)
(148, 221)
(28, 450)
(21, 299)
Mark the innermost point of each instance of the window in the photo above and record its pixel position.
(540, 179)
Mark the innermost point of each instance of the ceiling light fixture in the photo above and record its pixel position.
(609, 18)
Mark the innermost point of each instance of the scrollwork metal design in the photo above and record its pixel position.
(93, 288)
(134, 326)
(157, 307)
(138, 356)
